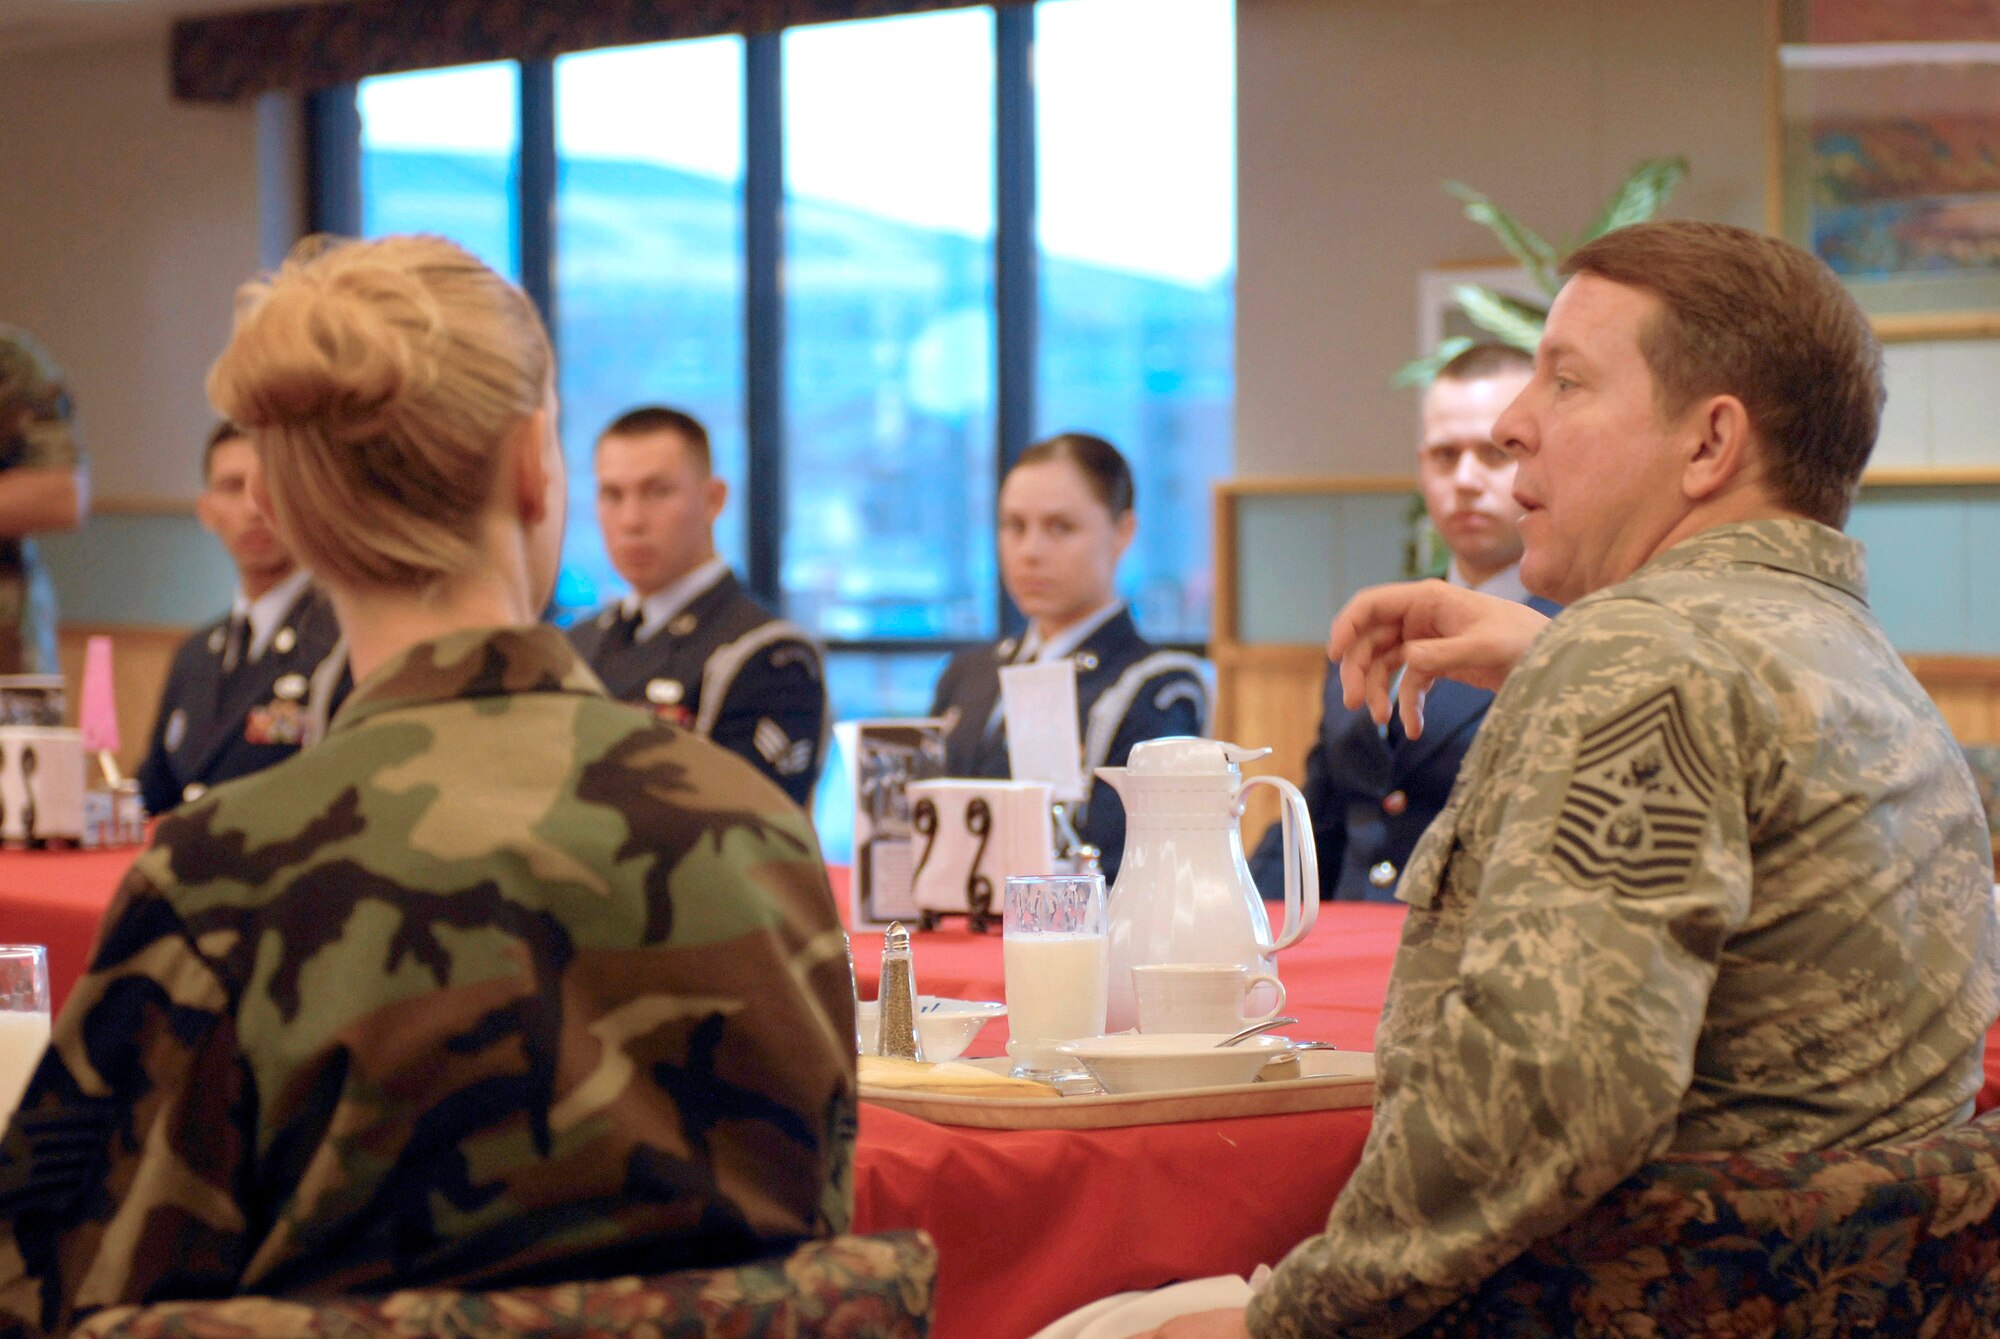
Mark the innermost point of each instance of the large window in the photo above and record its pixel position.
(889, 327)
(441, 153)
(649, 266)
(877, 258)
(1136, 223)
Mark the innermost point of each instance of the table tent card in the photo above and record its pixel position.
(1042, 740)
(882, 758)
(970, 836)
(41, 785)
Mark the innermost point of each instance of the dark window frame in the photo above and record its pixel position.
(333, 184)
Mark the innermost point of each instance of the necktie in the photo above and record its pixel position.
(618, 637)
(236, 648)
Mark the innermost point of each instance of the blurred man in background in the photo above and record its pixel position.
(43, 486)
(689, 643)
(1372, 790)
(240, 696)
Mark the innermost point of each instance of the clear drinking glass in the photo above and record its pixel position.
(1057, 966)
(24, 1020)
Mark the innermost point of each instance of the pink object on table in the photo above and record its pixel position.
(98, 716)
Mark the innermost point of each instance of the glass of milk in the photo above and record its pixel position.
(24, 1020)
(1058, 969)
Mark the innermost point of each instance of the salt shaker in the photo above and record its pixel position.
(897, 1008)
(853, 986)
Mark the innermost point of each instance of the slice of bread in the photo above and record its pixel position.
(952, 1078)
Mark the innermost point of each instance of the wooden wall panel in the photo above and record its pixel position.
(140, 659)
(1966, 690)
(1269, 697)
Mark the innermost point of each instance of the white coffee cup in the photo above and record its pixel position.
(1200, 996)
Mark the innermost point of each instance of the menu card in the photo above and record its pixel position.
(882, 758)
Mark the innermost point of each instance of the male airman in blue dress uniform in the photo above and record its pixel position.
(689, 643)
(1372, 790)
(250, 689)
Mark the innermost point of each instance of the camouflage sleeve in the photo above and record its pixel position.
(117, 1172)
(775, 715)
(35, 413)
(1525, 1068)
(48, 444)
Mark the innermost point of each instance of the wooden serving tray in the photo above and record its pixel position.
(1327, 1080)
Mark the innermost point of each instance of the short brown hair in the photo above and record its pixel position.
(1748, 315)
(1487, 359)
(1102, 466)
(223, 431)
(651, 418)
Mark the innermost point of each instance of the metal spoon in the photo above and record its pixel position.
(1280, 1021)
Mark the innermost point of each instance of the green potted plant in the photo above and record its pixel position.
(1515, 320)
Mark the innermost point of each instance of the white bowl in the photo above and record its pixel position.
(946, 1026)
(1132, 1063)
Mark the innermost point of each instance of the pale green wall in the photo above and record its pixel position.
(157, 570)
(1301, 556)
(1933, 562)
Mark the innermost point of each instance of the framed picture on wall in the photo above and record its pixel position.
(1438, 314)
(1887, 155)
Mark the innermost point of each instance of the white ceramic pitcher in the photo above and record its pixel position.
(1183, 892)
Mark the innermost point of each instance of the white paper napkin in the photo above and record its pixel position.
(1123, 1315)
(1042, 740)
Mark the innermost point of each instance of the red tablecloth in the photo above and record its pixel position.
(1034, 1223)
(56, 898)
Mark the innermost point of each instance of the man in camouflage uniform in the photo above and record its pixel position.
(1715, 876)
(500, 983)
(42, 487)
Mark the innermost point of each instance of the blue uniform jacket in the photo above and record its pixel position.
(728, 669)
(213, 727)
(1126, 691)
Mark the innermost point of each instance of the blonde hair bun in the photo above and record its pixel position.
(379, 379)
(339, 345)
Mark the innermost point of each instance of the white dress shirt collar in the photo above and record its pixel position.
(267, 612)
(1505, 583)
(1064, 643)
(656, 609)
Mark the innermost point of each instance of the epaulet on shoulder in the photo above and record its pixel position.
(718, 676)
(1115, 703)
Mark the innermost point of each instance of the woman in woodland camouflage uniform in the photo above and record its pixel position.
(502, 982)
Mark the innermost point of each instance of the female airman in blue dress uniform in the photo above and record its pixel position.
(1066, 518)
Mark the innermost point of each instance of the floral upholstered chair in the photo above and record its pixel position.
(1900, 1240)
(876, 1287)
